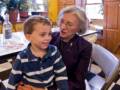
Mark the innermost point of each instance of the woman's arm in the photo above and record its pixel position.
(82, 68)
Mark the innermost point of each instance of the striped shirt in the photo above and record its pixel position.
(39, 72)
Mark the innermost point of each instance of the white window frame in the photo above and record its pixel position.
(94, 13)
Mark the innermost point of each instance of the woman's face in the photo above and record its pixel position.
(69, 25)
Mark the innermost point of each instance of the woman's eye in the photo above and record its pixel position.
(69, 24)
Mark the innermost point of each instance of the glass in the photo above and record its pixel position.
(68, 25)
(1, 40)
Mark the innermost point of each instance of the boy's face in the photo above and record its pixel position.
(40, 37)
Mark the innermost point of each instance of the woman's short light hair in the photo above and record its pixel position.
(79, 12)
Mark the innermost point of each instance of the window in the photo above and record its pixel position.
(39, 5)
(94, 9)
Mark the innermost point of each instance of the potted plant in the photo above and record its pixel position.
(12, 9)
(23, 9)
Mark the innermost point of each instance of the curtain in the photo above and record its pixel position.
(53, 10)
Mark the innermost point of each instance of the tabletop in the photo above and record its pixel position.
(18, 42)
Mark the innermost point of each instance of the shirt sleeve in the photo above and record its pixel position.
(15, 75)
(60, 72)
(82, 69)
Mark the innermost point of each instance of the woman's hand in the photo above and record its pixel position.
(34, 88)
(22, 86)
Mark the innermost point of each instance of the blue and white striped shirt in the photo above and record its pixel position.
(39, 72)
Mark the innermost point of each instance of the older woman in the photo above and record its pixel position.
(75, 50)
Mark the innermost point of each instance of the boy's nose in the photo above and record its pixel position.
(48, 38)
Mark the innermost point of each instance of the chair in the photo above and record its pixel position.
(5, 69)
(109, 65)
(117, 50)
(87, 85)
(2, 86)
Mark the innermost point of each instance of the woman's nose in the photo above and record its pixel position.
(62, 25)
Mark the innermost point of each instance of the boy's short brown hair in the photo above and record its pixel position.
(32, 20)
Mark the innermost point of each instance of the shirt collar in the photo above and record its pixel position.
(32, 57)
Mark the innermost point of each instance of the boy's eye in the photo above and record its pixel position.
(42, 34)
(50, 33)
(45, 34)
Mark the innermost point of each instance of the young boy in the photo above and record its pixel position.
(40, 64)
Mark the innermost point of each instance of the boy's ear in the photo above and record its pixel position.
(27, 36)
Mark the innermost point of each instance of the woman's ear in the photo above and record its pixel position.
(28, 36)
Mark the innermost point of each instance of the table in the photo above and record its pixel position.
(18, 42)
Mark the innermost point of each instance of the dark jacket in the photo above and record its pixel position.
(76, 56)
